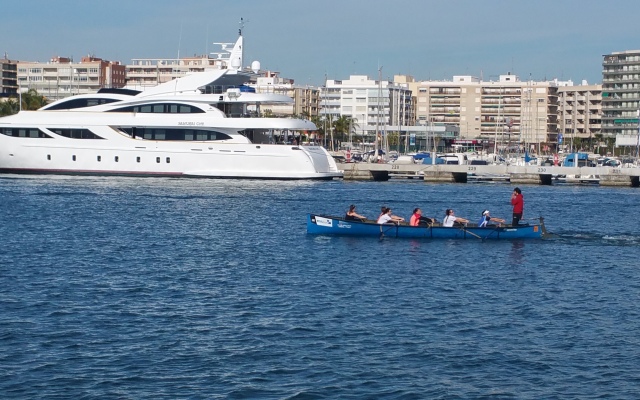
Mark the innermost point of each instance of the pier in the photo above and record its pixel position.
(518, 174)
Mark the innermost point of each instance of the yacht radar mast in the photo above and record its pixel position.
(233, 57)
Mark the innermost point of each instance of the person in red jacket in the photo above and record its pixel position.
(517, 200)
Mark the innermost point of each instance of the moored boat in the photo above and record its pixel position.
(331, 225)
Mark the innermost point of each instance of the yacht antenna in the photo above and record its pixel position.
(241, 26)
(175, 87)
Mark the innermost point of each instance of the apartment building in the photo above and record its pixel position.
(621, 96)
(149, 72)
(374, 105)
(506, 111)
(579, 112)
(305, 98)
(62, 77)
(9, 77)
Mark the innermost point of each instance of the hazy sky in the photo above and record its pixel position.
(306, 40)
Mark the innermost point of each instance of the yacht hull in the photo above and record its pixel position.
(145, 158)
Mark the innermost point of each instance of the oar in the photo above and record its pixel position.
(382, 232)
(462, 228)
(471, 233)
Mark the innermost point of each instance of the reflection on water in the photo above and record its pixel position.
(516, 254)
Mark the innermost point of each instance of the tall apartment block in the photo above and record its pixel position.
(621, 95)
(9, 79)
(507, 111)
(62, 77)
(579, 112)
(375, 105)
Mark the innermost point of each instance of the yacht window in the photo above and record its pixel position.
(161, 108)
(79, 103)
(158, 160)
(138, 159)
(168, 160)
(49, 157)
(25, 133)
(99, 158)
(75, 133)
(177, 134)
(73, 157)
(116, 158)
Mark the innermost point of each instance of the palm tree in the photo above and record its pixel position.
(9, 107)
(599, 138)
(32, 100)
(345, 125)
(318, 121)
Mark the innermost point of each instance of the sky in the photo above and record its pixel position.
(309, 41)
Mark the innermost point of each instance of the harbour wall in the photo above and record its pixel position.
(517, 174)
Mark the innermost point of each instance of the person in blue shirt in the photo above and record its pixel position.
(484, 221)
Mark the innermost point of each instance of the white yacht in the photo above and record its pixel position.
(199, 125)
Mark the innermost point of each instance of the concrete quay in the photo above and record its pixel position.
(517, 174)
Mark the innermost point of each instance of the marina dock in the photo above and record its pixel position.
(529, 174)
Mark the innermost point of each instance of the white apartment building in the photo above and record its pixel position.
(579, 112)
(305, 98)
(62, 77)
(621, 98)
(374, 105)
(506, 111)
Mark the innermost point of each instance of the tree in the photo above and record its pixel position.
(345, 125)
(9, 107)
(32, 100)
(318, 121)
(599, 137)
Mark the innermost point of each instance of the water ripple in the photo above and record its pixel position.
(170, 288)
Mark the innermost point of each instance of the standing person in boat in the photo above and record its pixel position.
(353, 215)
(387, 217)
(484, 221)
(450, 219)
(517, 201)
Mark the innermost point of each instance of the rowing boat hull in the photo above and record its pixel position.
(329, 225)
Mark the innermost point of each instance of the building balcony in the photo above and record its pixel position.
(444, 91)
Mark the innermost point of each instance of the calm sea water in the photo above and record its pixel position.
(178, 288)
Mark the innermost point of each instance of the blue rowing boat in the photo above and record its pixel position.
(329, 225)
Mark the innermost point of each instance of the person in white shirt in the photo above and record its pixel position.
(450, 219)
(386, 217)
